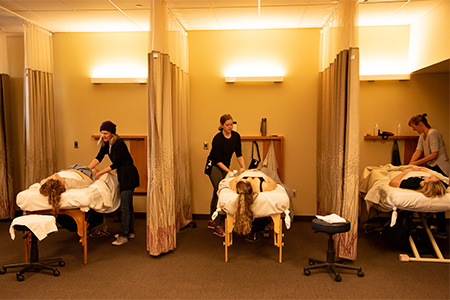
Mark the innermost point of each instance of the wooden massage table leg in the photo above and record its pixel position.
(80, 219)
(440, 258)
(278, 235)
(229, 226)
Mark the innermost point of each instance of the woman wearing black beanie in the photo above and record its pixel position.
(113, 146)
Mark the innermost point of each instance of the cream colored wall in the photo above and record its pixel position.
(82, 106)
(290, 107)
(390, 103)
(430, 38)
(15, 51)
(384, 50)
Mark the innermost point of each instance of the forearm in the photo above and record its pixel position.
(100, 173)
(240, 160)
(223, 167)
(94, 163)
(426, 159)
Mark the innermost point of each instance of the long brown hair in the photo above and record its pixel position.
(53, 188)
(244, 214)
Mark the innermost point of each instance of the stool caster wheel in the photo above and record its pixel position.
(306, 271)
(19, 277)
(311, 263)
(56, 273)
(360, 273)
(61, 263)
(2, 270)
(337, 278)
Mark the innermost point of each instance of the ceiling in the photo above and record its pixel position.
(134, 15)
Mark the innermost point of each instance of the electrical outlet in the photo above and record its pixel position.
(75, 144)
(294, 193)
(205, 146)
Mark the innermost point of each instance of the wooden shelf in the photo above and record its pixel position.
(394, 137)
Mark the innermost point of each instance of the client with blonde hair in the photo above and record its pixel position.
(430, 185)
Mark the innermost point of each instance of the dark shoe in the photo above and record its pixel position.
(212, 225)
(252, 237)
(440, 235)
(219, 231)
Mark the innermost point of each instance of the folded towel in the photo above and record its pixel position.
(333, 218)
(38, 224)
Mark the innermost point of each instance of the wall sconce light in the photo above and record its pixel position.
(385, 77)
(96, 80)
(254, 71)
(233, 79)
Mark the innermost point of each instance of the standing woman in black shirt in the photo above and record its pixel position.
(113, 146)
(224, 144)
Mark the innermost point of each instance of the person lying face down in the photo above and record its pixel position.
(56, 184)
(247, 185)
(259, 181)
(429, 185)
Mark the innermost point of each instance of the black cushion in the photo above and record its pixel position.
(330, 228)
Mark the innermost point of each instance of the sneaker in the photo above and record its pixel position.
(130, 236)
(440, 235)
(120, 241)
(219, 231)
(252, 237)
(212, 225)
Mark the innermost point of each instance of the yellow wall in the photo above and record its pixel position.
(290, 107)
(430, 38)
(82, 106)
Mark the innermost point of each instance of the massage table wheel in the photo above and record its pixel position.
(337, 278)
(56, 272)
(2, 270)
(360, 273)
(19, 276)
(61, 263)
(307, 272)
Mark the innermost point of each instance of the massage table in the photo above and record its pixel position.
(272, 204)
(379, 195)
(102, 196)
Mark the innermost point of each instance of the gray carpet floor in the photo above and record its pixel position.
(196, 268)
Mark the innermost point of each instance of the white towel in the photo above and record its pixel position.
(333, 218)
(40, 225)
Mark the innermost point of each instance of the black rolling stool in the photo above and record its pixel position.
(331, 229)
(34, 264)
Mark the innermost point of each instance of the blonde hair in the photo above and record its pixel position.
(53, 188)
(433, 189)
(244, 214)
(113, 139)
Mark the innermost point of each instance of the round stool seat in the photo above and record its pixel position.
(330, 228)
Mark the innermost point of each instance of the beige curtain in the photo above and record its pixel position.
(6, 164)
(40, 156)
(338, 125)
(168, 199)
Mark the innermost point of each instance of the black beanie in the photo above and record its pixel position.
(108, 126)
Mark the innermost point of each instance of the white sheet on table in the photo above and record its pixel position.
(376, 185)
(102, 196)
(266, 204)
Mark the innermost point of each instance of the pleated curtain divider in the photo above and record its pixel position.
(7, 199)
(338, 125)
(169, 195)
(40, 136)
